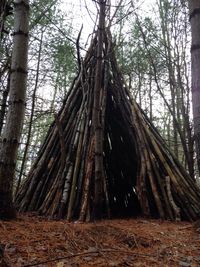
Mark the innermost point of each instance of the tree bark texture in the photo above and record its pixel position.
(194, 7)
(13, 126)
(5, 10)
(2, 16)
(4, 103)
(98, 127)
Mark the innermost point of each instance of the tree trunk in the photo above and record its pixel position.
(31, 116)
(13, 126)
(194, 6)
(5, 10)
(2, 16)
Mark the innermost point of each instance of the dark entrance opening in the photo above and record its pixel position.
(120, 162)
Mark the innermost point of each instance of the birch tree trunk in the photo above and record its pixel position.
(194, 6)
(12, 131)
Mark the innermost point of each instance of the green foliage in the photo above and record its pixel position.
(63, 63)
(42, 13)
(50, 74)
(153, 53)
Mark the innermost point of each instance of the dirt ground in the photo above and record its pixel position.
(35, 241)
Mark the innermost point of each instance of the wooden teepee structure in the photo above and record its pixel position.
(102, 157)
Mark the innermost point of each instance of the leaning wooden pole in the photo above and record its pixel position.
(97, 121)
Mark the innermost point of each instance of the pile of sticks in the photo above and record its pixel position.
(102, 157)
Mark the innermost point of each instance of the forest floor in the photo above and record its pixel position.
(35, 241)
